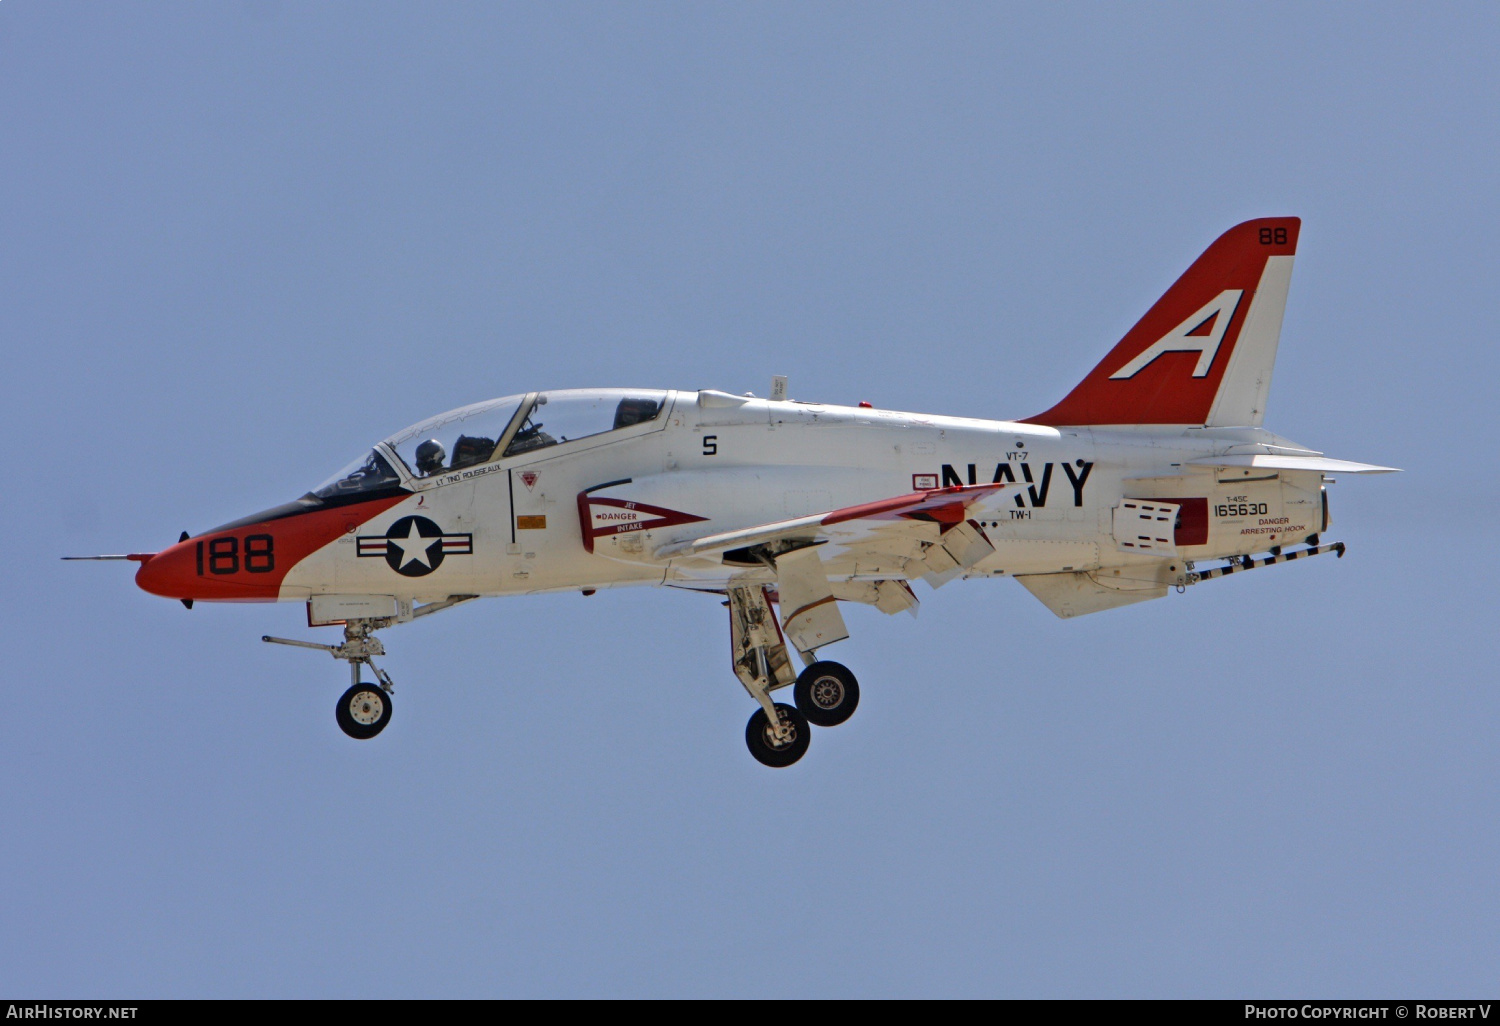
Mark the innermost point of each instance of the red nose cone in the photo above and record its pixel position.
(170, 573)
(213, 567)
(230, 566)
(247, 561)
(152, 579)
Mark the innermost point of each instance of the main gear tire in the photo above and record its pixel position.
(768, 749)
(363, 711)
(826, 693)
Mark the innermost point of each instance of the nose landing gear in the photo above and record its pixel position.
(364, 710)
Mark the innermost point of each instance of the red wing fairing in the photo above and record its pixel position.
(872, 524)
(945, 506)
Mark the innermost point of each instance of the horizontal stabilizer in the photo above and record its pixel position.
(1317, 464)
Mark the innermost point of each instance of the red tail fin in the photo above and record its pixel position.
(1203, 354)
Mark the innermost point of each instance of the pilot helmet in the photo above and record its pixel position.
(430, 456)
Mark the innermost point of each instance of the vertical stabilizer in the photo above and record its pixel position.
(1203, 354)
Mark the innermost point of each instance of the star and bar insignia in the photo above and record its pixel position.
(415, 546)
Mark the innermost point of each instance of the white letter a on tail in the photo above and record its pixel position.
(1200, 333)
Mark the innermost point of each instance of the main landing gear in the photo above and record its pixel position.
(365, 709)
(781, 745)
(826, 693)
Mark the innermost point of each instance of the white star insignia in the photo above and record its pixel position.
(413, 547)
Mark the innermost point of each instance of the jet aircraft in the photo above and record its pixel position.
(1154, 473)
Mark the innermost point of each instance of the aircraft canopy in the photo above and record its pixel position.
(481, 432)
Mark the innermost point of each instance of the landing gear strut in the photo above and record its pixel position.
(826, 693)
(364, 710)
(777, 734)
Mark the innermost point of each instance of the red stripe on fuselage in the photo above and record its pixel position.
(234, 570)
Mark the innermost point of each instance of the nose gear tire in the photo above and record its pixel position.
(764, 745)
(363, 711)
(826, 693)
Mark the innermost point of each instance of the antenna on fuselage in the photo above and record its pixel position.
(778, 388)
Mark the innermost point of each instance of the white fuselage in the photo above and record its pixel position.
(737, 462)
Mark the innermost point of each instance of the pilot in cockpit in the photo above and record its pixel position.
(430, 457)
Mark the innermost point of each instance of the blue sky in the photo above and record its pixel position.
(239, 242)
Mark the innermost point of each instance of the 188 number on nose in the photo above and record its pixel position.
(223, 555)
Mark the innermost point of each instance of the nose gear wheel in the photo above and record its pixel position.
(363, 711)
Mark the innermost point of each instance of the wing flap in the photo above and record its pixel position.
(890, 597)
(810, 613)
(960, 548)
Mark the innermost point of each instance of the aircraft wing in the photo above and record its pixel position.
(864, 553)
(934, 528)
